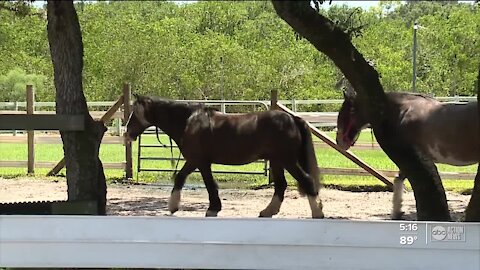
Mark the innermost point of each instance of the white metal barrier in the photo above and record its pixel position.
(219, 243)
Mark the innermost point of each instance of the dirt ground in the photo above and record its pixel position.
(151, 200)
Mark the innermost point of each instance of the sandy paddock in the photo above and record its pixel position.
(151, 200)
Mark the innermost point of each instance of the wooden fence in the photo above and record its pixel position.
(12, 120)
(365, 169)
(118, 112)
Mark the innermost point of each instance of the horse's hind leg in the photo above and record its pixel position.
(212, 188)
(397, 212)
(307, 186)
(174, 201)
(280, 185)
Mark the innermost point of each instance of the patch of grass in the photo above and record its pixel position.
(326, 158)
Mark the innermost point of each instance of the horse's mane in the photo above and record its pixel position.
(193, 106)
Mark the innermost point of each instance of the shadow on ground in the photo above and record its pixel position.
(147, 206)
(457, 214)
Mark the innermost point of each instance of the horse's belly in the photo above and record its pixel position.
(235, 157)
(454, 157)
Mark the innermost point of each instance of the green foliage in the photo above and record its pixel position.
(18, 7)
(13, 84)
(242, 50)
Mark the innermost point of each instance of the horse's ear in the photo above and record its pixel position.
(135, 96)
(349, 93)
(350, 96)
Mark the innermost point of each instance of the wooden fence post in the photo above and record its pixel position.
(128, 145)
(15, 108)
(107, 116)
(30, 133)
(273, 100)
(223, 107)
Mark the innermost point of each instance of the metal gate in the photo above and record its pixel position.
(175, 157)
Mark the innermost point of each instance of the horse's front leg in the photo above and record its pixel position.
(212, 188)
(280, 185)
(174, 201)
(398, 187)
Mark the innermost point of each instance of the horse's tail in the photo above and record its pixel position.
(307, 158)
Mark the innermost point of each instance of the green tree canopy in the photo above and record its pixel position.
(13, 84)
(242, 50)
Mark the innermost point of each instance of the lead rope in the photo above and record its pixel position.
(173, 164)
(175, 168)
(371, 135)
(172, 160)
(158, 137)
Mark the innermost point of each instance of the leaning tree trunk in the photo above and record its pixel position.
(85, 176)
(332, 41)
(473, 209)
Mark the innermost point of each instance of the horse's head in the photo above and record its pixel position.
(349, 122)
(140, 118)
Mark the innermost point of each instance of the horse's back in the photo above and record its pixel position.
(242, 138)
(256, 129)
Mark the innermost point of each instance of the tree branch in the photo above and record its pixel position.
(333, 42)
(373, 104)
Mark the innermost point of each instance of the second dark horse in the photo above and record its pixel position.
(440, 132)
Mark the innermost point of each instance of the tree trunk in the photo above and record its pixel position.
(473, 209)
(332, 41)
(85, 176)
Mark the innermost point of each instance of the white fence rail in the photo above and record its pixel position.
(39, 104)
(218, 243)
(319, 119)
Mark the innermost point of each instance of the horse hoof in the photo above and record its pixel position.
(211, 213)
(263, 214)
(174, 201)
(173, 210)
(318, 214)
(398, 216)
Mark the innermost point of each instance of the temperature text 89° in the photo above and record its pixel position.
(408, 240)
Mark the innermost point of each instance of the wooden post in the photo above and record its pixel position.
(15, 108)
(110, 112)
(128, 145)
(273, 100)
(223, 108)
(30, 133)
(118, 126)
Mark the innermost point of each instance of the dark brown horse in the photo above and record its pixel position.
(206, 136)
(443, 132)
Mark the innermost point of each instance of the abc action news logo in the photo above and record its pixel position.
(448, 233)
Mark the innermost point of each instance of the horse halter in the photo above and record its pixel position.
(347, 131)
(129, 118)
